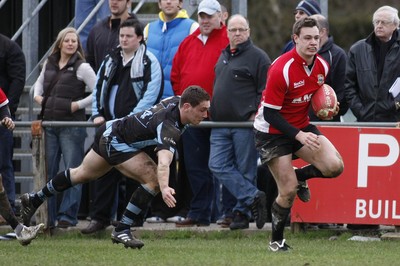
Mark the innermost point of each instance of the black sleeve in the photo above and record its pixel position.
(4, 112)
(274, 118)
(89, 49)
(16, 68)
(337, 79)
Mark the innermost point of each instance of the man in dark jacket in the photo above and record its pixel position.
(103, 37)
(240, 77)
(372, 68)
(12, 81)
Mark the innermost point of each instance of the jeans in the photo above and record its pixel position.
(196, 149)
(233, 161)
(82, 11)
(68, 142)
(6, 164)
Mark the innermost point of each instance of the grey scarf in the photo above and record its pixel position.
(137, 62)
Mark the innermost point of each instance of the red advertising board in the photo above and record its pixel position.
(368, 190)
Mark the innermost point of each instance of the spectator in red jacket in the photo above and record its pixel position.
(193, 64)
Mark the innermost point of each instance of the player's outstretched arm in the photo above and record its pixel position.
(164, 160)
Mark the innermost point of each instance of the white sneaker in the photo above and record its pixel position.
(155, 219)
(175, 219)
(279, 246)
(27, 234)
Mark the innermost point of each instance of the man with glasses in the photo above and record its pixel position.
(372, 68)
(240, 77)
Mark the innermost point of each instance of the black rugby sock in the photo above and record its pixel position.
(138, 203)
(308, 172)
(279, 217)
(59, 183)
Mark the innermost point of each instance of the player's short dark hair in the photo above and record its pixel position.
(306, 22)
(194, 95)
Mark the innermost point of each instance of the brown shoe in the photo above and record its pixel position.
(93, 227)
(189, 223)
(64, 224)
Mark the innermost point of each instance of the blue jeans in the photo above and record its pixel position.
(233, 161)
(6, 164)
(196, 149)
(82, 11)
(68, 142)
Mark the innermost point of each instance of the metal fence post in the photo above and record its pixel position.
(39, 169)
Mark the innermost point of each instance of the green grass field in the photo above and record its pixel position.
(194, 248)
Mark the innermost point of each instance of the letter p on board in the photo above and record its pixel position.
(364, 160)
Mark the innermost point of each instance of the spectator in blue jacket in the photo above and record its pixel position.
(163, 37)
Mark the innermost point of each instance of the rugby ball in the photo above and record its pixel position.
(324, 102)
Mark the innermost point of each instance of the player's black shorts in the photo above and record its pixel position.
(271, 146)
(104, 145)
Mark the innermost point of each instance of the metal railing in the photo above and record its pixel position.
(35, 72)
(2, 2)
(28, 20)
(211, 124)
